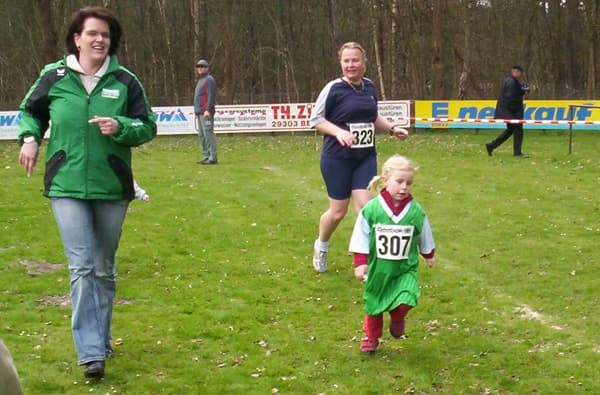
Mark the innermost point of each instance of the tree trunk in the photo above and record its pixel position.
(593, 26)
(374, 6)
(170, 73)
(195, 13)
(463, 81)
(394, 51)
(437, 66)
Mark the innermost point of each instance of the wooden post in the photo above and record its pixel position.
(571, 113)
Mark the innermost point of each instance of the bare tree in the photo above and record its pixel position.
(437, 64)
(592, 8)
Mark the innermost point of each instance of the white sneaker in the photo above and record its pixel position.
(319, 259)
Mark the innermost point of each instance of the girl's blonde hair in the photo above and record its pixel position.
(396, 162)
(352, 45)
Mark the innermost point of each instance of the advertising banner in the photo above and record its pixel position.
(544, 112)
(234, 118)
(261, 117)
(397, 112)
(9, 124)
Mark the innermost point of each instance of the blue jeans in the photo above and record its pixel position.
(90, 231)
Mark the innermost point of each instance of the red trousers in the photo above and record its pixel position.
(373, 326)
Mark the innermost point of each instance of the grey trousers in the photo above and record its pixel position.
(208, 140)
(9, 379)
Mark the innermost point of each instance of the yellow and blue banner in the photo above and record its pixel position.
(479, 114)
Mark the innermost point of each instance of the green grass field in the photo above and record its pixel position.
(217, 294)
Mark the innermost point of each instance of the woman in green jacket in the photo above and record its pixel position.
(97, 110)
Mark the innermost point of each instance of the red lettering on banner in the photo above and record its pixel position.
(286, 111)
(281, 112)
(304, 111)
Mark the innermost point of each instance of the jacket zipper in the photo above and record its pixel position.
(77, 78)
(87, 146)
(89, 131)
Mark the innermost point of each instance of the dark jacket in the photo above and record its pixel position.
(510, 102)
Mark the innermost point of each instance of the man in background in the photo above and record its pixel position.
(204, 108)
(510, 106)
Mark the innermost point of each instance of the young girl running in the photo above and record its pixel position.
(390, 232)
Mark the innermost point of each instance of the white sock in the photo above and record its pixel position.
(322, 245)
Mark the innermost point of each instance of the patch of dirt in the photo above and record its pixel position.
(123, 301)
(529, 313)
(35, 268)
(65, 301)
(542, 347)
(56, 300)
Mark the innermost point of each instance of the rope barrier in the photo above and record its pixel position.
(499, 121)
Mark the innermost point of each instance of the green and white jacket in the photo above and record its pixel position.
(81, 162)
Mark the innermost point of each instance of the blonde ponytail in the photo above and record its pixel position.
(375, 185)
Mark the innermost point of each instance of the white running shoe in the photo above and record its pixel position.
(319, 259)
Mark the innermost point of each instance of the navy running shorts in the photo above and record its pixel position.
(344, 175)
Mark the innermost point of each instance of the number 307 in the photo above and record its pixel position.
(393, 245)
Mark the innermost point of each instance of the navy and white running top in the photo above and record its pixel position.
(344, 105)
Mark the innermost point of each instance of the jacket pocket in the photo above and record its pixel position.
(124, 174)
(53, 165)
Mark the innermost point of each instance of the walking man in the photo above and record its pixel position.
(204, 108)
(510, 106)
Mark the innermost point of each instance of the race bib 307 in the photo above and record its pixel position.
(393, 241)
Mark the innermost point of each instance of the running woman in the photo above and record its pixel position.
(346, 114)
(390, 233)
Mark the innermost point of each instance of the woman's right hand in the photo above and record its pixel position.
(28, 156)
(345, 138)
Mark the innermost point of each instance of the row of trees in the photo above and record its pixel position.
(285, 50)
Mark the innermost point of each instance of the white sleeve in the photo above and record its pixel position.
(140, 192)
(360, 240)
(426, 242)
(318, 110)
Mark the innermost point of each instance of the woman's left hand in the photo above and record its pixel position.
(399, 132)
(107, 125)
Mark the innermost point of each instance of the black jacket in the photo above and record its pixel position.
(510, 102)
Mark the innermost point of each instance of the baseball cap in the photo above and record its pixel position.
(202, 63)
(518, 67)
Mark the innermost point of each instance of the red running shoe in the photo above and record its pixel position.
(397, 329)
(368, 346)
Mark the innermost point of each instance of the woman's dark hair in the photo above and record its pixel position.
(78, 19)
